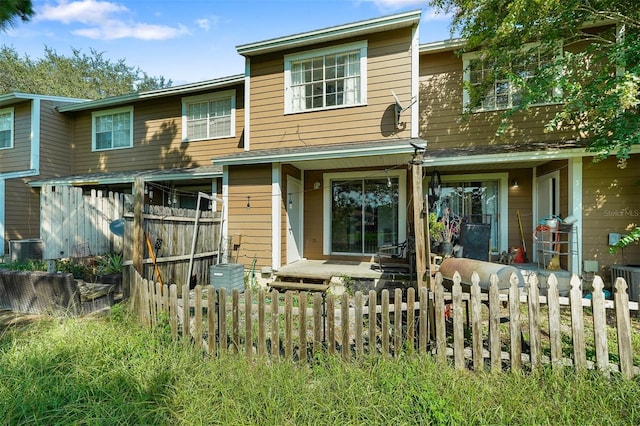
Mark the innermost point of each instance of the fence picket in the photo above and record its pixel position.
(515, 331)
(600, 325)
(345, 323)
(535, 344)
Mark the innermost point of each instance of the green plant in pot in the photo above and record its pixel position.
(436, 229)
(110, 268)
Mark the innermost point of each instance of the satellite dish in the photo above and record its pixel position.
(117, 227)
(399, 108)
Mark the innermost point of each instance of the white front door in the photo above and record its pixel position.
(293, 204)
(548, 195)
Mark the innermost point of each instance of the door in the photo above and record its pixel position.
(548, 200)
(293, 204)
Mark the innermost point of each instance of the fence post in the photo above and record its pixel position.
(623, 322)
(476, 323)
(458, 321)
(577, 325)
(600, 325)
(555, 337)
(494, 323)
(514, 323)
(535, 344)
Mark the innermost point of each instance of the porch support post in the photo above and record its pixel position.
(138, 208)
(422, 250)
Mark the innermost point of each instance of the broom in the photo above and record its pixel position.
(554, 263)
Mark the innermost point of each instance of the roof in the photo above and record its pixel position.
(316, 153)
(12, 98)
(168, 91)
(129, 176)
(359, 28)
(398, 151)
(442, 45)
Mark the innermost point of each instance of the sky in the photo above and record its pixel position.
(192, 40)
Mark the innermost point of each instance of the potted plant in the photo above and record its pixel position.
(110, 269)
(451, 231)
(436, 230)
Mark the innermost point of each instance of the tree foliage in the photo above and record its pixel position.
(10, 10)
(81, 75)
(597, 76)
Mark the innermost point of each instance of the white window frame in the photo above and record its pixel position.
(10, 111)
(96, 114)
(361, 47)
(503, 207)
(209, 97)
(467, 58)
(328, 195)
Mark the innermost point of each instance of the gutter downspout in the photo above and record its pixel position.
(34, 166)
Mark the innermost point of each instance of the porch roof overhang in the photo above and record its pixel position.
(399, 151)
(113, 178)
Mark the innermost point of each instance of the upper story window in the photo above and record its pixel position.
(6, 128)
(209, 116)
(504, 90)
(112, 129)
(327, 78)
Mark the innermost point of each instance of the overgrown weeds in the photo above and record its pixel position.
(79, 371)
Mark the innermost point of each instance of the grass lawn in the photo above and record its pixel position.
(112, 371)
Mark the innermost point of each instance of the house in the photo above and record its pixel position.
(310, 148)
(33, 145)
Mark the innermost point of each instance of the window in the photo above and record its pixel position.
(112, 129)
(6, 128)
(324, 79)
(478, 199)
(363, 212)
(209, 116)
(502, 92)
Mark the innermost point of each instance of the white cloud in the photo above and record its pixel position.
(203, 23)
(105, 20)
(428, 14)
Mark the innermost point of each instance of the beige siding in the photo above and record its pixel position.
(157, 140)
(388, 54)
(254, 222)
(18, 158)
(22, 212)
(611, 203)
(55, 141)
(441, 122)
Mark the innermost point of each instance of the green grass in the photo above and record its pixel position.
(111, 371)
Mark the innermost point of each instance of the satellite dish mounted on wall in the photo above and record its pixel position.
(399, 109)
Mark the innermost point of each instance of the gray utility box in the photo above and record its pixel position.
(228, 276)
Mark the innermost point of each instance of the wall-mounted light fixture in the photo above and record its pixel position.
(514, 183)
(317, 184)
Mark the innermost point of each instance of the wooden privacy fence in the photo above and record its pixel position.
(517, 329)
(168, 235)
(74, 224)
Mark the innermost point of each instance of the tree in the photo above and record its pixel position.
(597, 76)
(12, 9)
(80, 75)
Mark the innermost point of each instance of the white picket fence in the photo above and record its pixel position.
(77, 225)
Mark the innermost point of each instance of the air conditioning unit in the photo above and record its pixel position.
(631, 274)
(21, 250)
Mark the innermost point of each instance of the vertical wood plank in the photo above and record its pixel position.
(373, 326)
(275, 325)
(439, 322)
(495, 343)
(174, 311)
(476, 323)
(248, 323)
(262, 323)
(623, 324)
(197, 329)
(397, 322)
(555, 335)
(235, 321)
(344, 316)
(535, 343)
(186, 313)
(423, 325)
(457, 309)
(385, 322)
(600, 326)
(359, 327)
(331, 324)
(318, 325)
(302, 315)
(577, 325)
(288, 325)
(411, 320)
(222, 320)
(211, 320)
(514, 323)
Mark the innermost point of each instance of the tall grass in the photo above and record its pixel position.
(111, 371)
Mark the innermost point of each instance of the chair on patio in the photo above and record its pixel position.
(396, 257)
